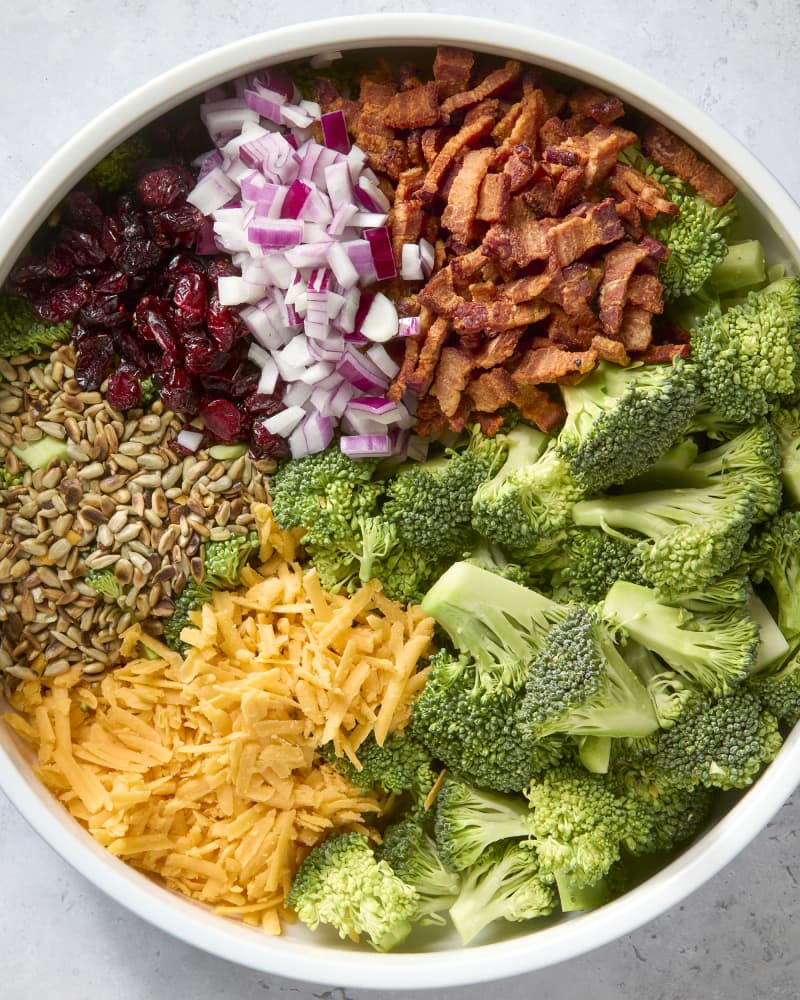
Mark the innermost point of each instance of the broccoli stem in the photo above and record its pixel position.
(574, 898)
(595, 753)
(772, 645)
(743, 268)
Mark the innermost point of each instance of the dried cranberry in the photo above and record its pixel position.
(112, 239)
(94, 360)
(222, 418)
(183, 263)
(84, 212)
(223, 323)
(112, 283)
(176, 226)
(259, 404)
(221, 267)
(132, 349)
(61, 303)
(84, 248)
(124, 389)
(131, 218)
(138, 256)
(202, 356)
(104, 311)
(264, 443)
(245, 381)
(163, 187)
(190, 297)
(153, 319)
(27, 278)
(175, 387)
(60, 262)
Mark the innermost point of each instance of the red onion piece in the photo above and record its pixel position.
(408, 326)
(334, 131)
(366, 445)
(380, 245)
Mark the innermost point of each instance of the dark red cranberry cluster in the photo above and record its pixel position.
(145, 305)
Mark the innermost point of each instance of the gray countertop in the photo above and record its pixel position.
(63, 61)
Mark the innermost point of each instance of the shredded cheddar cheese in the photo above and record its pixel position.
(202, 771)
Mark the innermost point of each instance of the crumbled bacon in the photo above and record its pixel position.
(493, 198)
(497, 350)
(498, 315)
(611, 350)
(521, 238)
(421, 377)
(448, 153)
(646, 193)
(452, 374)
(462, 200)
(551, 364)
(492, 390)
(677, 157)
(587, 226)
(597, 105)
(660, 353)
(538, 407)
(495, 83)
(620, 263)
(452, 69)
(440, 294)
(647, 291)
(636, 329)
(414, 108)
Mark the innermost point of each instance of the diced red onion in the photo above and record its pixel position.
(380, 245)
(361, 372)
(293, 114)
(342, 266)
(379, 356)
(188, 439)
(284, 423)
(298, 194)
(366, 445)
(269, 378)
(235, 291)
(370, 187)
(272, 234)
(266, 107)
(312, 436)
(341, 400)
(381, 323)
(212, 192)
(411, 263)
(369, 220)
(408, 326)
(277, 80)
(208, 162)
(322, 59)
(334, 131)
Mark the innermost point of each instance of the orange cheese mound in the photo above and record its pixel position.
(202, 770)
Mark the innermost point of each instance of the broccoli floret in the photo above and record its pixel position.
(343, 73)
(719, 742)
(401, 764)
(469, 819)
(39, 454)
(496, 621)
(731, 590)
(105, 583)
(749, 357)
(343, 884)
(504, 884)
(668, 691)
(786, 424)
(715, 651)
(691, 536)
(431, 502)
(579, 685)
(773, 555)
(116, 170)
(593, 560)
(223, 563)
(578, 824)
(149, 393)
(412, 854)
(474, 733)
(779, 692)
(23, 332)
(695, 240)
(8, 480)
(668, 470)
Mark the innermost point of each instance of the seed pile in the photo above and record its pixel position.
(121, 499)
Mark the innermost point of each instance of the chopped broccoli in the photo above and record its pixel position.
(719, 742)
(670, 469)
(193, 596)
(343, 73)
(731, 590)
(474, 733)
(23, 332)
(39, 454)
(504, 884)
(593, 560)
(401, 764)
(105, 583)
(498, 622)
(691, 536)
(749, 357)
(786, 424)
(744, 267)
(773, 555)
(149, 393)
(779, 691)
(412, 854)
(578, 824)
(343, 884)
(579, 685)
(712, 650)
(116, 170)
(8, 480)
(468, 820)
(431, 502)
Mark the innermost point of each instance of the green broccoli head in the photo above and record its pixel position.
(504, 884)
(786, 424)
(223, 562)
(343, 884)
(779, 691)
(149, 393)
(23, 332)
(579, 685)
(578, 824)
(773, 555)
(105, 583)
(412, 854)
(696, 241)
(714, 651)
(117, 170)
(8, 480)
(193, 596)
(431, 502)
(593, 560)
(620, 420)
(401, 764)
(469, 819)
(749, 357)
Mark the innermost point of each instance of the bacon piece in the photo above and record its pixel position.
(620, 263)
(467, 266)
(452, 373)
(552, 132)
(503, 128)
(587, 226)
(646, 193)
(636, 329)
(647, 291)
(525, 128)
(596, 151)
(497, 350)
(536, 406)
(414, 108)
(522, 238)
(611, 350)
(430, 419)
(410, 356)
(519, 168)
(491, 106)
(489, 423)
(406, 216)
(467, 135)
(462, 200)
(495, 316)
(386, 154)
(439, 294)
(422, 376)
(678, 158)
(431, 143)
(573, 288)
(493, 198)
(566, 332)
(661, 353)
(492, 390)
(551, 364)
(452, 69)
(494, 83)
(525, 289)
(594, 103)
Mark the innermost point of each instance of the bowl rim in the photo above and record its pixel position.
(289, 956)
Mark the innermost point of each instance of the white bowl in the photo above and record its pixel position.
(772, 216)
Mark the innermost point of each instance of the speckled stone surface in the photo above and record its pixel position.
(62, 62)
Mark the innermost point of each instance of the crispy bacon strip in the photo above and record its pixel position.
(620, 262)
(414, 108)
(462, 201)
(661, 353)
(494, 83)
(410, 357)
(678, 158)
(636, 329)
(466, 136)
(647, 291)
(587, 226)
(439, 294)
(567, 332)
(522, 238)
(467, 266)
(422, 376)
(499, 349)
(519, 168)
(452, 374)
(594, 103)
(525, 289)
(489, 423)
(551, 364)
(611, 350)
(596, 151)
(493, 198)
(492, 390)
(494, 316)
(452, 69)
(536, 406)
(525, 128)
(646, 193)
(406, 217)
